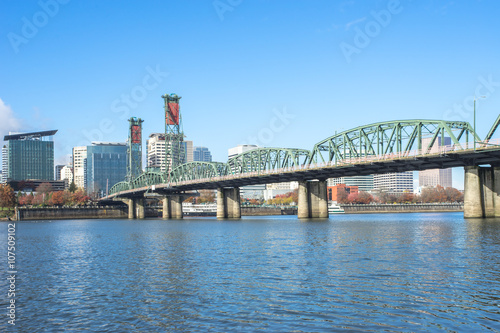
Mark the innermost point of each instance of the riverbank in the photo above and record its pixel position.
(105, 212)
(402, 208)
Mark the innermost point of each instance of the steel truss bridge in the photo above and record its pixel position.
(394, 146)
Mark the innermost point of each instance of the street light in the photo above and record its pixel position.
(475, 99)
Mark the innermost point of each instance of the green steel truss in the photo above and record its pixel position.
(402, 138)
(147, 179)
(197, 170)
(262, 159)
(119, 187)
(396, 137)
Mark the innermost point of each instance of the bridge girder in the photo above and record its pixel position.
(119, 187)
(394, 137)
(264, 159)
(197, 170)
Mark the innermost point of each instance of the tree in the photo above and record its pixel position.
(405, 198)
(360, 198)
(342, 196)
(57, 199)
(206, 196)
(72, 187)
(454, 195)
(7, 196)
(26, 200)
(44, 188)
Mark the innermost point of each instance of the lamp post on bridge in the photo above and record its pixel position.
(475, 99)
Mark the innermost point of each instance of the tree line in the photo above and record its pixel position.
(43, 196)
(436, 194)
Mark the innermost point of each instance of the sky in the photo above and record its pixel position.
(271, 73)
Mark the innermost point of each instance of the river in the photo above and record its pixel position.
(370, 272)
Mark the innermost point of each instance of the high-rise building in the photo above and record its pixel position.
(29, 156)
(57, 172)
(5, 164)
(106, 165)
(155, 147)
(79, 166)
(202, 154)
(364, 183)
(250, 191)
(189, 152)
(396, 182)
(435, 177)
(67, 174)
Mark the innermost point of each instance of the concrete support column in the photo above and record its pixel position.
(496, 190)
(139, 205)
(228, 203)
(482, 192)
(313, 199)
(486, 178)
(221, 205)
(131, 207)
(166, 208)
(176, 207)
(322, 199)
(472, 193)
(234, 201)
(303, 204)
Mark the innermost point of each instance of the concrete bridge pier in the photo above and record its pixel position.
(172, 207)
(482, 192)
(228, 203)
(135, 207)
(313, 199)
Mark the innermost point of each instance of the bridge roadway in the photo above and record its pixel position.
(372, 149)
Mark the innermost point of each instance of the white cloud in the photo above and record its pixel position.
(8, 121)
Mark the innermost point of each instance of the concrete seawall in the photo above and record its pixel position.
(403, 208)
(262, 211)
(56, 213)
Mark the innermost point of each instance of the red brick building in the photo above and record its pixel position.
(334, 190)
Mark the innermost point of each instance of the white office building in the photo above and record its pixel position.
(155, 146)
(396, 182)
(79, 166)
(364, 183)
(67, 173)
(434, 177)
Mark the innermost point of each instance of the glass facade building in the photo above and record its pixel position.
(202, 154)
(105, 165)
(29, 156)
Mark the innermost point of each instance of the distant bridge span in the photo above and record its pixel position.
(384, 147)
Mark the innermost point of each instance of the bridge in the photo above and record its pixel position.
(385, 147)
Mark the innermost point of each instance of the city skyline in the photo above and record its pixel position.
(329, 73)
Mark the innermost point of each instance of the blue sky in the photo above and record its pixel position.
(274, 73)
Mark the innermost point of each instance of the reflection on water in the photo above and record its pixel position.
(393, 272)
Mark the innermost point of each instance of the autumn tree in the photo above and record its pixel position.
(405, 198)
(342, 196)
(361, 197)
(454, 195)
(7, 196)
(44, 188)
(206, 196)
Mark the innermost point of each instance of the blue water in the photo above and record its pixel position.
(373, 272)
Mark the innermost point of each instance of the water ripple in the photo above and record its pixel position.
(396, 273)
